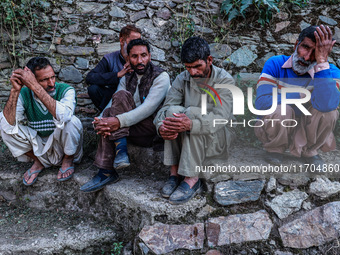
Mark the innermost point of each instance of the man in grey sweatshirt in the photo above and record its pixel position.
(130, 113)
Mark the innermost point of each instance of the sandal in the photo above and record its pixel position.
(64, 171)
(29, 175)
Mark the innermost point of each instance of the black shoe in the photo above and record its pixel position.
(273, 158)
(316, 160)
(99, 181)
(183, 193)
(170, 186)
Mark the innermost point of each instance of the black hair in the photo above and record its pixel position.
(195, 48)
(38, 63)
(126, 31)
(307, 32)
(137, 42)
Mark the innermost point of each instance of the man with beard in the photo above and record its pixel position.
(307, 68)
(130, 114)
(105, 77)
(52, 135)
(191, 137)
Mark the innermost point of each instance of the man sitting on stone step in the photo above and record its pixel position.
(130, 114)
(38, 122)
(190, 136)
(105, 77)
(307, 68)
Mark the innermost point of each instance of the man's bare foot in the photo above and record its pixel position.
(67, 163)
(191, 181)
(36, 167)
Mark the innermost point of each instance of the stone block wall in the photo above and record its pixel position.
(86, 30)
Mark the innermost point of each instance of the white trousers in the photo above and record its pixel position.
(49, 150)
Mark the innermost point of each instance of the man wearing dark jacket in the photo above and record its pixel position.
(105, 77)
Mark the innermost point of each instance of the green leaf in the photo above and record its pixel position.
(233, 14)
(244, 5)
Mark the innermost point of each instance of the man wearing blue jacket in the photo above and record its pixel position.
(307, 68)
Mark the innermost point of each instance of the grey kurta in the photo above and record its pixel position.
(205, 141)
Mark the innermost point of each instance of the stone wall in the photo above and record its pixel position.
(86, 30)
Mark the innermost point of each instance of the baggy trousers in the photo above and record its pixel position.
(313, 132)
(141, 134)
(49, 150)
(189, 151)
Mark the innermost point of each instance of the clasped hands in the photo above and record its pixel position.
(21, 77)
(105, 126)
(172, 126)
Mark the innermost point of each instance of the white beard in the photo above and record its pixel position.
(299, 69)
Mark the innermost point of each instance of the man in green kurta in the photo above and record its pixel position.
(190, 137)
(38, 122)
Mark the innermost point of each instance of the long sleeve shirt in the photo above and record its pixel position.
(323, 81)
(185, 92)
(105, 73)
(64, 112)
(157, 93)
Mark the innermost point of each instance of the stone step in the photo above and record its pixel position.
(28, 231)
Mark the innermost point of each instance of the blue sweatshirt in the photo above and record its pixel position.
(324, 86)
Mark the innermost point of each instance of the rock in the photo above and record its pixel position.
(71, 29)
(138, 16)
(116, 25)
(238, 228)
(71, 38)
(291, 38)
(281, 25)
(338, 63)
(260, 62)
(270, 37)
(218, 50)
(293, 180)
(135, 6)
(116, 12)
(150, 12)
(283, 253)
(56, 67)
(166, 45)
(5, 65)
(323, 187)
(271, 185)
(206, 210)
(90, 7)
(156, 4)
(242, 57)
(214, 252)
(328, 20)
(8, 196)
(74, 50)
(149, 29)
(70, 74)
(162, 238)
(158, 22)
(236, 192)
(287, 203)
(164, 13)
(304, 25)
(307, 205)
(204, 30)
(82, 63)
(105, 48)
(282, 15)
(144, 248)
(96, 30)
(336, 35)
(314, 228)
(157, 54)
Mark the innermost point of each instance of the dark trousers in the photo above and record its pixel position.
(100, 96)
(142, 134)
